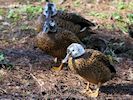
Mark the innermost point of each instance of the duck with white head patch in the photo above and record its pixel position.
(53, 40)
(68, 21)
(92, 65)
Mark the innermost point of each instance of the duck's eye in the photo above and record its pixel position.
(52, 23)
(78, 50)
(46, 11)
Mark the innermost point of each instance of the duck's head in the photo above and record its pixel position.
(49, 8)
(74, 50)
(49, 26)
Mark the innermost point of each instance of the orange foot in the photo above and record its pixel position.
(58, 68)
(92, 94)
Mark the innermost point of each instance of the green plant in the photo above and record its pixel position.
(121, 5)
(61, 8)
(1, 12)
(117, 16)
(55, 1)
(4, 62)
(31, 11)
(130, 18)
(98, 14)
(77, 3)
(1, 56)
(130, 6)
(13, 14)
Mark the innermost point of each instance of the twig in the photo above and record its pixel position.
(69, 96)
(3, 90)
(40, 83)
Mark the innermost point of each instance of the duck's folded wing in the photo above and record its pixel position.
(77, 19)
(104, 59)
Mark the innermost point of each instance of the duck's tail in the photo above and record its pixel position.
(85, 33)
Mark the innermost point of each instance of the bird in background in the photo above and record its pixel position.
(91, 65)
(68, 21)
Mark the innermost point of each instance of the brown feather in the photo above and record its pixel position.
(92, 66)
(68, 21)
(55, 44)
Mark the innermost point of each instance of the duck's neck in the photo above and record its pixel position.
(79, 56)
(71, 64)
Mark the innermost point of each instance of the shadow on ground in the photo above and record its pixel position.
(118, 89)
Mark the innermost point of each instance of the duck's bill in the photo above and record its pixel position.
(45, 28)
(66, 58)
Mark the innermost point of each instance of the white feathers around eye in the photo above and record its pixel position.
(45, 12)
(52, 23)
(76, 50)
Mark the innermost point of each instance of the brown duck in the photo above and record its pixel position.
(90, 64)
(54, 40)
(68, 21)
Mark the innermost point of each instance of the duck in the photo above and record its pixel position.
(96, 43)
(92, 65)
(69, 21)
(54, 40)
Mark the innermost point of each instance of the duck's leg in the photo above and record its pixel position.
(87, 88)
(95, 93)
(58, 68)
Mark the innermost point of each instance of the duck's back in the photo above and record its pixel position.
(60, 21)
(76, 19)
(68, 21)
(93, 66)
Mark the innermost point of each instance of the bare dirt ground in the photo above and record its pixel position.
(31, 77)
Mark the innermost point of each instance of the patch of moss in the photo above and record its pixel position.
(77, 3)
(1, 12)
(98, 15)
(13, 15)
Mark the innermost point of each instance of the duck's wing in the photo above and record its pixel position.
(77, 19)
(103, 59)
(70, 37)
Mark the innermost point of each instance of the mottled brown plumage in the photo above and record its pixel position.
(68, 21)
(90, 64)
(56, 43)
